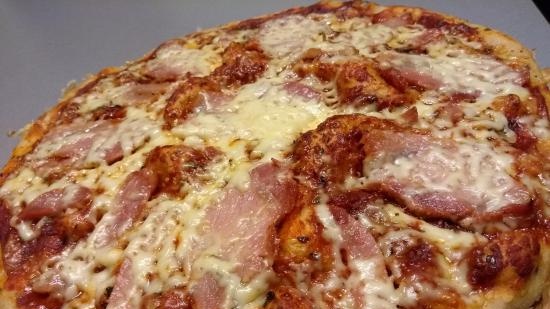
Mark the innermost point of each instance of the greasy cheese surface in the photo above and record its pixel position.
(258, 123)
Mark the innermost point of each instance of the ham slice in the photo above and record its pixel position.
(427, 37)
(68, 146)
(430, 177)
(404, 78)
(129, 202)
(55, 201)
(365, 262)
(122, 290)
(357, 255)
(143, 93)
(240, 229)
(207, 293)
(286, 36)
(441, 179)
(301, 90)
(244, 221)
(357, 240)
(451, 73)
(172, 61)
(392, 18)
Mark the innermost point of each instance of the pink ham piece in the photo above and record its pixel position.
(172, 61)
(207, 293)
(211, 101)
(392, 19)
(414, 170)
(299, 89)
(432, 204)
(143, 93)
(423, 72)
(403, 78)
(113, 154)
(240, 228)
(357, 241)
(123, 288)
(54, 202)
(427, 37)
(244, 221)
(75, 143)
(129, 202)
(358, 245)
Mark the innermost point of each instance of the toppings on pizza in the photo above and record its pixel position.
(342, 155)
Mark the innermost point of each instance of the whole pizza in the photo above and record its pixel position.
(340, 155)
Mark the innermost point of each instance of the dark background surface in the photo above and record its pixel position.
(45, 44)
(544, 7)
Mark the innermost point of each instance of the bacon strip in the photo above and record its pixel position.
(186, 98)
(304, 91)
(357, 241)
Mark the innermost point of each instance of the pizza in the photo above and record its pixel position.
(340, 155)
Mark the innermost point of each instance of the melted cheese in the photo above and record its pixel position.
(377, 292)
(464, 73)
(262, 119)
(363, 37)
(23, 187)
(199, 62)
(289, 36)
(109, 94)
(476, 172)
(452, 249)
(130, 134)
